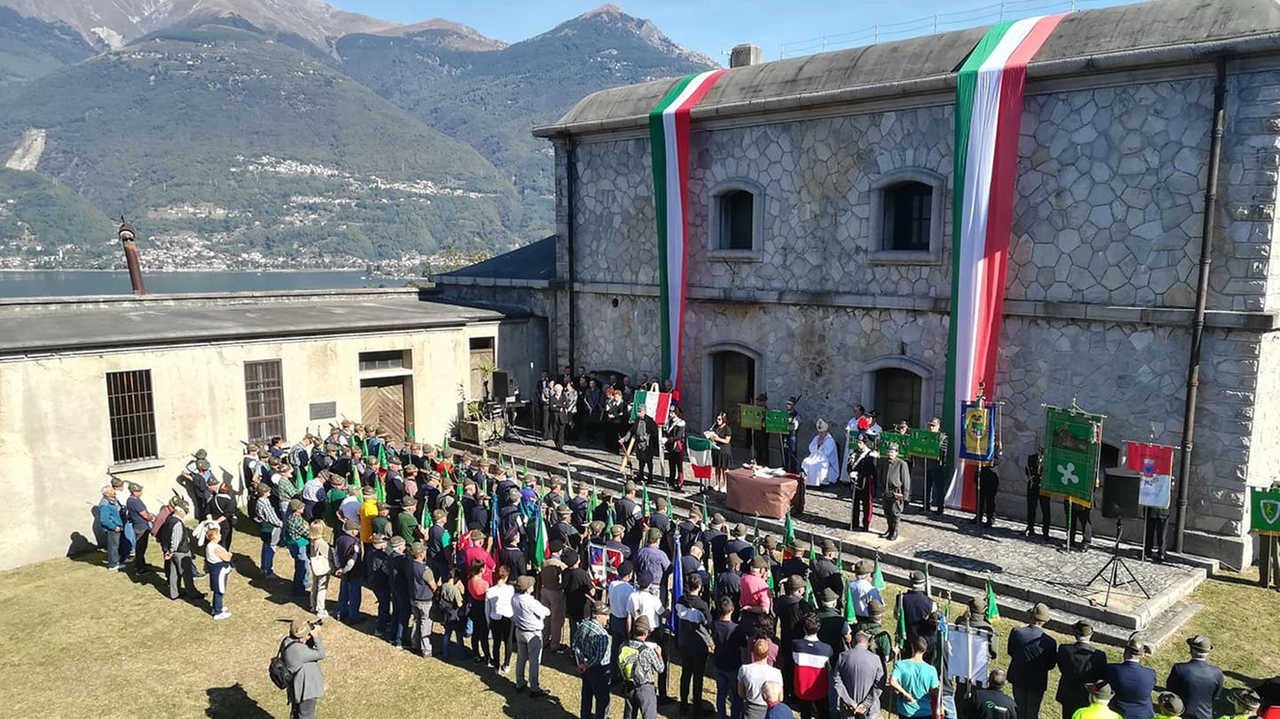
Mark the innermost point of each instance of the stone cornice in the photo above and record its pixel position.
(1074, 311)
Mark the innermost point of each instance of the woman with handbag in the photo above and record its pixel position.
(321, 567)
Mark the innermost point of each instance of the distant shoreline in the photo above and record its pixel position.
(177, 271)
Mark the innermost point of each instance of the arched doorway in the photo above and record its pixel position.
(733, 382)
(898, 397)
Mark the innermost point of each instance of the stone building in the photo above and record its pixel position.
(820, 257)
(131, 386)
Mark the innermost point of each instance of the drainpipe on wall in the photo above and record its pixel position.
(569, 189)
(1202, 294)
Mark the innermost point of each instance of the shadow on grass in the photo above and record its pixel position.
(233, 702)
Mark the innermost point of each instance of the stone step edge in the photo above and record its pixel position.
(899, 566)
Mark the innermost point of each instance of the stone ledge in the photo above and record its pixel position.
(1160, 316)
(489, 282)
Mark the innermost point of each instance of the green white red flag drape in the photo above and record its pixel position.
(656, 404)
(989, 94)
(669, 138)
(700, 459)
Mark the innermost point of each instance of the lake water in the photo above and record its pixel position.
(67, 283)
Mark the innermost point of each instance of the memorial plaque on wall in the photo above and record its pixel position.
(324, 410)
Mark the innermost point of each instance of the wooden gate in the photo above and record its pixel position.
(382, 402)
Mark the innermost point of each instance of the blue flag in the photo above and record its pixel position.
(677, 587)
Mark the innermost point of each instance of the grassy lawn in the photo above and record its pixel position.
(77, 641)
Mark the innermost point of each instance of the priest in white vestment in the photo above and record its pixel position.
(822, 466)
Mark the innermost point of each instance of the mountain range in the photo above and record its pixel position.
(243, 133)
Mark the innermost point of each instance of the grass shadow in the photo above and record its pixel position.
(233, 702)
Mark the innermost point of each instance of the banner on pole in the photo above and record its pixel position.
(777, 421)
(750, 416)
(979, 436)
(1265, 504)
(915, 443)
(1073, 442)
(1154, 463)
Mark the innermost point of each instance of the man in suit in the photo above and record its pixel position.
(301, 652)
(1032, 654)
(644, 432)
(561, 408)
(917, 605)
(1132, 682)
(1080, 664)
(897, 488)
(1196, 682)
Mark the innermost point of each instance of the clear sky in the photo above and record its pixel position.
(713, 26)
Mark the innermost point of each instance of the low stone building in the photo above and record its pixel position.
(130, 387)
(820, 257)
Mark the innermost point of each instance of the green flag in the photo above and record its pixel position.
(670, 506)
(788, 532)
(1265, 511)
(644, 502)
(993, 610)
(808, 592)
(1070, 463)
(444, 446)
(850, 615)
(568, 484)
(500, 462)
(591, 506)
(755, 531)
(524, 472)
(484, 453)
(705, 517)
(711, 573)
(608, 523)
(539, 539)
(902, 624)
(877, 578)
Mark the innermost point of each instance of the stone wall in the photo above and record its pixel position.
(1108, 206)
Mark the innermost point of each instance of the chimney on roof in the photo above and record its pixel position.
(126, 235)
(744, 55)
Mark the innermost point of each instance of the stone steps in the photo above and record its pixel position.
(1159, 618)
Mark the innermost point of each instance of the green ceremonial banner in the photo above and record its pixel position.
(915, 443)
(1266, 511)
(777, 421)
(750, 416)
(1072, 442)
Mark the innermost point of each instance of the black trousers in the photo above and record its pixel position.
(1157, 521)
(862, 504)
(140, 550)
(1080, 518)
(1028, 702)
(1034, 500)
(675, 467)
(644, 466)
(935, 489)
(558, 427)
(892, 515)
(693, 665)
(987, 492)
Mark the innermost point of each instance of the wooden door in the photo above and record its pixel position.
(382, 402)
(733, 385)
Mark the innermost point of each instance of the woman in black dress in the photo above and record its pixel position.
(722, 454)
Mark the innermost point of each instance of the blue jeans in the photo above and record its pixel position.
(727, 691)
(128, 542)
(301, 570)
(399, 619)
(455, 630)
(266, 562)
(349, 598)
(218, 583)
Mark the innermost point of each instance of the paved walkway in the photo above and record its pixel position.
(957, 550)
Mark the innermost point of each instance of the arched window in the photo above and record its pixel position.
(736, 217)
(907, 221)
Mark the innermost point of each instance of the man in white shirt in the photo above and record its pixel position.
(862, 589)
(620, 591)
(644, 602)
(527, 616)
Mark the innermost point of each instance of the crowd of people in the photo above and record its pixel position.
(509, 563)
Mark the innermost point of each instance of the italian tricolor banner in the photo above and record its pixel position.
(700, 456)
(656, 405)
(669, 138)
(988, 116)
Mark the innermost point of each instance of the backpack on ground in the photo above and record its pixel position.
(280, 675)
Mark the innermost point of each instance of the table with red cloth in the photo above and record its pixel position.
(766, 496)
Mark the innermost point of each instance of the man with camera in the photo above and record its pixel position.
(301, 651)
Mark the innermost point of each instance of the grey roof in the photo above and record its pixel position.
(534, 261)
(32, 327)
(1143, 34)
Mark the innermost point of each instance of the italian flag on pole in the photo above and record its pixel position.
(669, 138)
(988, 116)
(656, 404)
(700, 458)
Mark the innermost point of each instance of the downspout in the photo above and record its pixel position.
(1202, 294)
(569, 189)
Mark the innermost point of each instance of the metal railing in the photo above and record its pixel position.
(940, 23)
